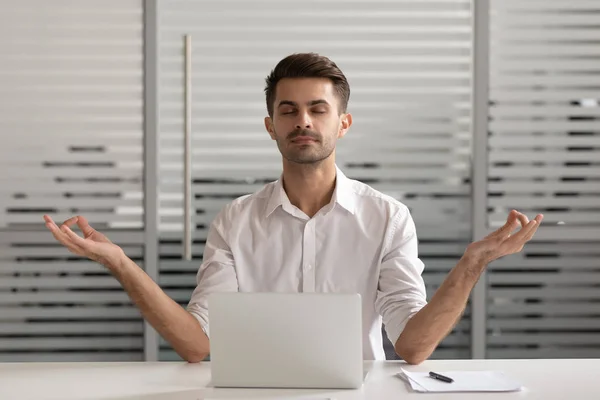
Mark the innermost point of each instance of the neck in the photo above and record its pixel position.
(309, 186)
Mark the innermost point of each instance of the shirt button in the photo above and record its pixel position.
(308, 267)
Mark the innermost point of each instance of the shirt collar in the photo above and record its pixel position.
(343, 195)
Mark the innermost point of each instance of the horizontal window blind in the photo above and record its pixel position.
(408, 63)
(545, 157)
(71, 142)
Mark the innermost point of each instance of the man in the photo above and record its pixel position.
(312, 230)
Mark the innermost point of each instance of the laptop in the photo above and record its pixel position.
(286, 340)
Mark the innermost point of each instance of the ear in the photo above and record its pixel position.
(345, 124)
(269, 127)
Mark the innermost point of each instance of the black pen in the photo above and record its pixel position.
(440, 377)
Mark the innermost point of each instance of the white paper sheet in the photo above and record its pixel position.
(464, 381)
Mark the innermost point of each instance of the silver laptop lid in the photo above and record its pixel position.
(288, 340)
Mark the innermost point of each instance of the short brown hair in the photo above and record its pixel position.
(307, 65)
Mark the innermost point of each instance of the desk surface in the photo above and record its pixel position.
(543, 379)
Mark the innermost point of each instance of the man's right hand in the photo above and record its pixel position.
(171, 321)
(93, 245)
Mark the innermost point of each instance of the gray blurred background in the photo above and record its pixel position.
(462, 110)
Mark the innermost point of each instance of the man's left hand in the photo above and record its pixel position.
(505, 240)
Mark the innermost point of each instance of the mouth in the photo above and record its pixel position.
(304, 140)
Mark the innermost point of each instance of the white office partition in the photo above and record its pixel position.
(71, 142)
(544, 156)
(408, 64)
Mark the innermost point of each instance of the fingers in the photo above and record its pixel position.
(81, 222)
(51, 225)
(524, 232)
(62, 237)
(512, 222)
(72, 236)
(71, 221)
(63, 234)
(522, 219)
(527, 232)
(538, 219)
(85, 227)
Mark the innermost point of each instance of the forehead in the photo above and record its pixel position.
(302, 90)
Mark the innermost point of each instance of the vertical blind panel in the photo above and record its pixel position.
(408, 65)
(545, 158)
(71, 118)
(71, 112)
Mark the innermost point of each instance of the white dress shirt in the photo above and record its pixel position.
(361, 242)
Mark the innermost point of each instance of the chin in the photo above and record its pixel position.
(306, 160)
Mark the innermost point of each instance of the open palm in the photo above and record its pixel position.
(93, 245)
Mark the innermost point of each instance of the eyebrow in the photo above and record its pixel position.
(294, 104)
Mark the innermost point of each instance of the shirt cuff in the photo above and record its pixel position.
(193, 309)
(393, 331)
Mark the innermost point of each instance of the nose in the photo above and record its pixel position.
(304, 121)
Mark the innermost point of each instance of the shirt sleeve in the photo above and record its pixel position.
(216, 273)
(401, 292)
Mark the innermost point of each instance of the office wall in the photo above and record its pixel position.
(76, 117)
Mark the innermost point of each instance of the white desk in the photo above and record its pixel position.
(543, 379)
